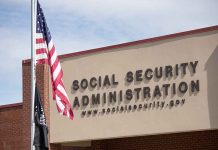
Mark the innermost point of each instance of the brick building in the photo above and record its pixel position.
(158, 93)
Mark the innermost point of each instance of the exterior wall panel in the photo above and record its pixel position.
(174, 112)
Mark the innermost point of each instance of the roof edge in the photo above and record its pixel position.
(11, 105)
(144, 41)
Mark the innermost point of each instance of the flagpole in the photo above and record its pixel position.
(33, 76)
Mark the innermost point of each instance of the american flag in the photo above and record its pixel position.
(46, 54)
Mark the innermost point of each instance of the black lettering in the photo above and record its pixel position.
(129, 76)
(121, 108)
(84, 84)
(99, 81)
(183, 87)
(184, 66)
(95, 111)
(148, 74)
(112, 96)
(183, 101)
(83, 113)
(138, 75)
(93, 82)
(75, 85)
(89, 112)
(166, 87)
(177, 69)
(95, 99)
(129, 94)
(158, 74)
(130, 107)
(117, 109)
(177, 102)
(194, 65)
(146, 91)
(76, 102)
(157, 91)
(158, 104)
(121, 95)
(106, 81)
(145, 106)
(104, 98)
(168, 71)
(171, 103)
(85, 100)
(113, 109)
(174, 89)
(195, 87)
(137, 90)
(113, 80)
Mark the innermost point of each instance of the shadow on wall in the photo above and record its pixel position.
(212, 78)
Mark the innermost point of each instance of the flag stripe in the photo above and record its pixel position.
(56, 71)
(56, 82)
(41, 45)
(53, 55)
(39, 35)
(62, 90)
(41, 56)
(39, 40)
(41, 51)
(55, 64)
(42, 61)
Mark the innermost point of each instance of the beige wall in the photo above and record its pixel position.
(197, 113)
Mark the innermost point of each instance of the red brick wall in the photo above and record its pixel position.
(26, 105)
(11, 118)
(200, 140)
(42, 82)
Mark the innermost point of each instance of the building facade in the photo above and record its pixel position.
(158, 93)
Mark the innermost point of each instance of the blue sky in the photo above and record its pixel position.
(78, 25)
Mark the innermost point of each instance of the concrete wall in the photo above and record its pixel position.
(197, 112)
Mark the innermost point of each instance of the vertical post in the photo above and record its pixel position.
(33, 75)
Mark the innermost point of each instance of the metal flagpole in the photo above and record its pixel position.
(33, 76)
